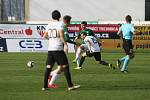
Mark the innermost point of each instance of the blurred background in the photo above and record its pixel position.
(108, 10)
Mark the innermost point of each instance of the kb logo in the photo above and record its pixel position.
(30, 44)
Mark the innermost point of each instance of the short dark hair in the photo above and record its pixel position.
(56, 15)
(128, 18)
(84, 22)
(67, 18)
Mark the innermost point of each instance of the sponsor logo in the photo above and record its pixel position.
(30, 44)
(40, 30)
(102, 35)
(97, 28)
(28, 31)
(11, 32)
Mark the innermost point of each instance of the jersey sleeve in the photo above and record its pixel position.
(86, 39)
(62, 26)
(132, 29)
(65, 29)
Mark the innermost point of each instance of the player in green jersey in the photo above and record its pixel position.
(66, 20)
(83, 47)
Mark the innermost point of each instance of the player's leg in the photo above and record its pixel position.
(63, 62)
(119, 61)
(54, 75)
(65, 65)
(68, 76)
(50, 62)
(82, 50)
(81, 61)
(97, 56)
(127, 47)
(125, 64)
(76, 49)
(77, 53)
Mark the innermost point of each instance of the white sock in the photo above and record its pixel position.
(54, 71)
(78, 53)
(78, 62)
(54, 77)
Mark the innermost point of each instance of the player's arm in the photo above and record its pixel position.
(67, 39)
(45, 35)
(134, 31)
(63, 40)
(88, 44)
(77, 37)
(119, 32)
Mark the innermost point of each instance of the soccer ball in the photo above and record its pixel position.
(30, 64)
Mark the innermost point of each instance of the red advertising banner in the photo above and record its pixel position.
(97, 28)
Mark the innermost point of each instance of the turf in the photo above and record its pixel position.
(98, 82)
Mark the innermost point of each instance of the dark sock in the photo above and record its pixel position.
(68, 76)
(81, 61)
(104, 63)
(47, 72)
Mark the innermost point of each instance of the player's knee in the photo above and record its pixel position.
(60, 69)
(48, 66)
(84, 54)
(82, 47)
(128, 57)
(65, 66)
(132, 56)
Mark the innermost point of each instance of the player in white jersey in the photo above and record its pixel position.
(93, 50)
(57, 45)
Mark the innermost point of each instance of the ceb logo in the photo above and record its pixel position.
(30, 44)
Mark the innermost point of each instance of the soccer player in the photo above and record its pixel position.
(56, 52)
(66, 20)
(83, 47)
(93, 50)
(127, 30)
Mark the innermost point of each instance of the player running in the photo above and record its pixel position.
(127, 30)
(83, 46)
(93, 49)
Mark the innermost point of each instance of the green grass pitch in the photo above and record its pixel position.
(98, 82)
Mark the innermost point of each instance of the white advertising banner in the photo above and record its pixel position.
(30, 45)
(22, 30)
(26, 45)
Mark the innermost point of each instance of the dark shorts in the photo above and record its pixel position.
(127, 46)
(56, 56)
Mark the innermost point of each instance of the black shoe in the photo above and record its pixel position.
(125, 71)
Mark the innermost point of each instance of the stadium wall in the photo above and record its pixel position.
(89, 10)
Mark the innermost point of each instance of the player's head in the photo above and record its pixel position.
(56, 15)
(83, 34)
(128, 18)
(83, 25)
(67, 19)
